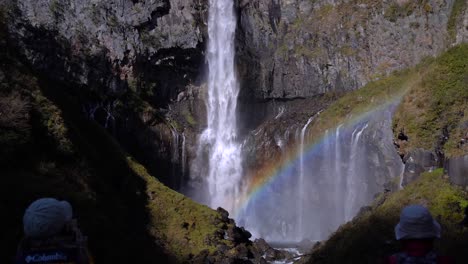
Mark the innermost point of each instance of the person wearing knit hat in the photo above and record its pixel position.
(51, 235)
(46, 217)
(416, 231)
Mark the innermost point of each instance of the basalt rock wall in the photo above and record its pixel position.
(301, 48)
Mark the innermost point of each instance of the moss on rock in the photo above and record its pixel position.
(185, 226)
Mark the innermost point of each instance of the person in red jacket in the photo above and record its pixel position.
(416, 231)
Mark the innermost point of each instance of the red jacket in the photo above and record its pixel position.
(418, 248)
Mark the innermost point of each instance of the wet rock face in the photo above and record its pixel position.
(457, 169)
(301, 48)
(416, 162)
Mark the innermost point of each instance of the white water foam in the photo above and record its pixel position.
(219, 142)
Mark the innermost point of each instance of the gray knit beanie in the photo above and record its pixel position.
(46, 217)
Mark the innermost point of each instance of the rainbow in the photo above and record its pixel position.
(279, 171)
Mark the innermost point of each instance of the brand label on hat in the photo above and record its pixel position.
(54, 256)
(46, 257)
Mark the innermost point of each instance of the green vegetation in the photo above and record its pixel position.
(57, 9)
(112, 20)
(457, 9)
(151, 40)
(395, 10)
(51, 118)
(15, 130)
(54, 7)
(347, 50)
(189, 118)
(432, 113)
(325, 11)
(184, 225)
(370, 236)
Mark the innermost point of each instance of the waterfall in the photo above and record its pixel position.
(338, 176)
(353, 177)
(183, 159)
(174, 156)
(301, 180)
(219, 140)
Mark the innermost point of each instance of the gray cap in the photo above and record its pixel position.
(46, 217)
(416, 222)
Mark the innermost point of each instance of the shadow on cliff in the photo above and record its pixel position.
(120, 193)
(106, 96)
(64, 155)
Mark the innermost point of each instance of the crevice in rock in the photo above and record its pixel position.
(152, 22)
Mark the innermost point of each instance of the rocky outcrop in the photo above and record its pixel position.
(457, 169)
(416, 162)
(290, 49)
(241, 249)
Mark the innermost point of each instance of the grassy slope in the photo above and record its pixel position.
(128, 215)
(370, 237)
(438, 106)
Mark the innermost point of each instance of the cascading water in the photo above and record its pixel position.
(175, 158)
(301, 181)
(353, 178)
(339, 212)
(218, 142)
(184, 158)
(327, 184)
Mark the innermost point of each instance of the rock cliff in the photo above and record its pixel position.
(301, 48)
